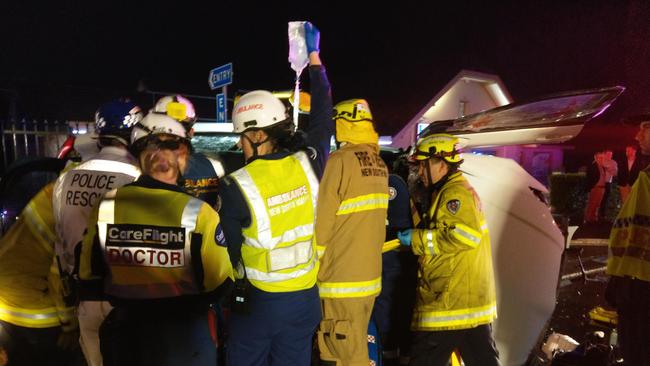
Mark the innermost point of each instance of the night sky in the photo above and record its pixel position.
(63, 58)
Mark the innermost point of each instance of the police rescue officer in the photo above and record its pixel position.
(456, 300)
(78, 190)
(161, 255)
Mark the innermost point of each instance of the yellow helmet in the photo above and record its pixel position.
(441, 146)
(304, 105)
(354, 122)
(177, 107)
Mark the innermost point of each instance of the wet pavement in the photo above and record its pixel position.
(581, 290)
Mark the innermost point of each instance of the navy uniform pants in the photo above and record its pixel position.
(170, 336)
(394, 305)
(277, 331)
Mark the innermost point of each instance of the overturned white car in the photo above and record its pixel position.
(527, 244)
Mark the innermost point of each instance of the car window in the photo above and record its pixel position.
(21, 182)
(215, 142)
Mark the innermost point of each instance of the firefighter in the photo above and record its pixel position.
(456, 301)
(33, 315)
(351, 217)
(628, 265)
(77, 191)
(268, 210)
(202, 173)
(160, 255)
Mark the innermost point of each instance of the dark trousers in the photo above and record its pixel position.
(394, 305)
(602, 210)
(434, 348)
(33, 346)
(277, 331)
(632, 299)
(175, 336)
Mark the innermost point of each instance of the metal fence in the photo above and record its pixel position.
(33, 138)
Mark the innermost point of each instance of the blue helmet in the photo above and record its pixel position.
(116, 119)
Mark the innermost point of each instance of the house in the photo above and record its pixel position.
(467, 93)
(471, 92)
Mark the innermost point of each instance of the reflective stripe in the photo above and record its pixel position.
(36, 222)
(350, 289)
(321, 250)
(110, 166)
(363, 203)
(286, 237)
(217, 166)
(256, 200)
(467, 235)
(264, 239)
(255, 274)
(263, 221)
(441, 319)
(105, 216)
(311, 177)
(430, 243)
(289, 257)
(184, 285)
(32, 318)
(188, 221)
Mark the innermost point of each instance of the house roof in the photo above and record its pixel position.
(493, 86)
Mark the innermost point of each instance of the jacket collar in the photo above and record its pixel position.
(146, 181)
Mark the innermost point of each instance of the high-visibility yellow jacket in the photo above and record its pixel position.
(278, 251)
(629, 240)
(30, 286)
(149, 240)
(350, 222)
(455, 277)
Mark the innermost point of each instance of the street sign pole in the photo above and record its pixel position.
(224, 91)
(220, 77)
(222, 108)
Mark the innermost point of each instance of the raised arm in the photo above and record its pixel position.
(321, 125)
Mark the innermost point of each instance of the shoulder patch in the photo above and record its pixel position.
(453, 206)
(220, 237)
(392, 193)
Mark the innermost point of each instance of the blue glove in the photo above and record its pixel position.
(312, 38)
(405, 237)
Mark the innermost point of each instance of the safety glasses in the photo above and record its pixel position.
(172, 143)
(155, 142)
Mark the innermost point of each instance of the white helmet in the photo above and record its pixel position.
(177, 107)
(156, 124)
(258, 109)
